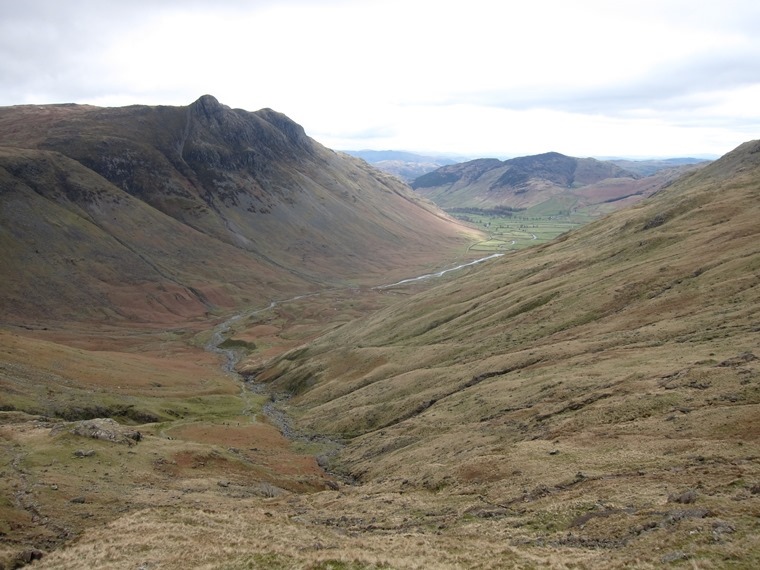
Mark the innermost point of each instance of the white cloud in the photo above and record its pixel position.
(586, 77)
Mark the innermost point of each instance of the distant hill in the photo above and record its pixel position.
(405, 165)
(584, 183)
(375, 156)
(652, 166)
(168, 212)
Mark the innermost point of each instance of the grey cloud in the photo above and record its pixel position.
(51, 50)
(672, 86)
(367, 134)
(52, 47)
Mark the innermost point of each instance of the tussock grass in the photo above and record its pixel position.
(631, 387)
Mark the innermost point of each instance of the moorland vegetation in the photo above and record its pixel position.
(588, 402)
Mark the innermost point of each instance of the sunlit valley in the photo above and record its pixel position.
(225, 345)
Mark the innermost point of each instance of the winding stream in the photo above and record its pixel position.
(440, 273)
(232, 356)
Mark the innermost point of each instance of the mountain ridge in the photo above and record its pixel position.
(252, 186)
(403, 164)
(552, 166)
(582, 184)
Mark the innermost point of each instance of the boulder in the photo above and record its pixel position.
(107, 430)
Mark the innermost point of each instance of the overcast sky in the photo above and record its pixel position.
(471, 77)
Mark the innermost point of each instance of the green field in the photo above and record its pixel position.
(517, 230)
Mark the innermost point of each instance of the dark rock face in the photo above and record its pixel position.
(185, 152)
(208, 107)
(263, 132)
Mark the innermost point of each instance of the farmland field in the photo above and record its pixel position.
(520, 229)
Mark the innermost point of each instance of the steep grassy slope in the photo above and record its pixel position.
(589, 403)
(163, 213)
(580, 184)
(126, 235)
(74, 246)
(597, 396)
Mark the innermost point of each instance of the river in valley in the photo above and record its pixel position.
(232, 356)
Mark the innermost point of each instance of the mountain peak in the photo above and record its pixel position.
(292, 130)
(159, 188)
(208, 105)
(208, 100)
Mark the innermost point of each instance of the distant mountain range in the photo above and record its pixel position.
(167, 212)
(647, 167)
(528, 181)
(405, 165)
(595, 185)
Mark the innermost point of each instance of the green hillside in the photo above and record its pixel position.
(592, 399)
